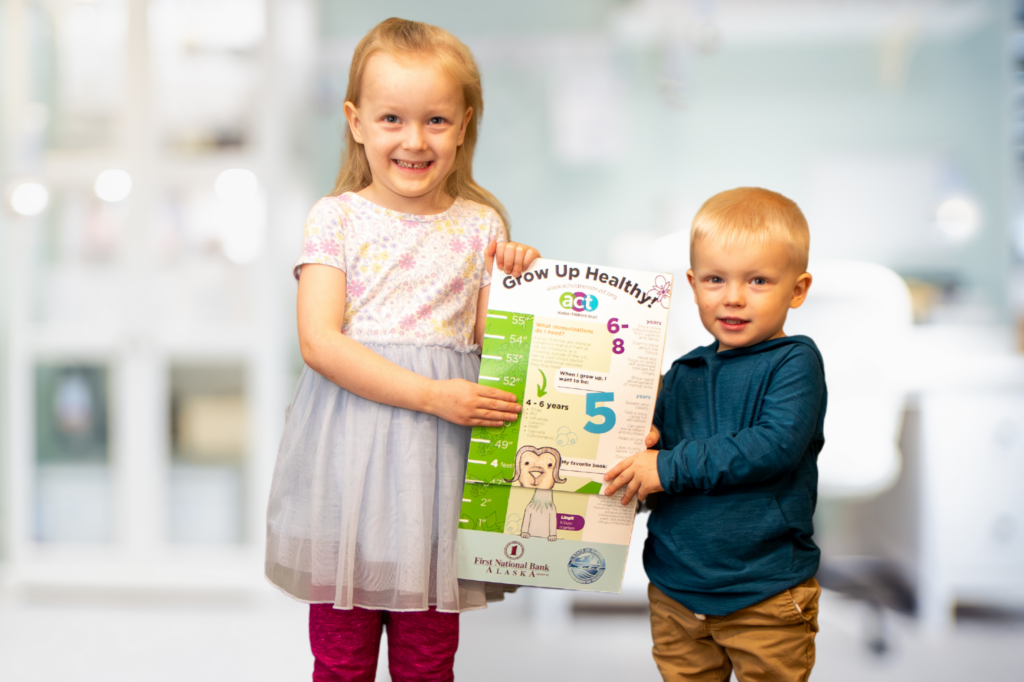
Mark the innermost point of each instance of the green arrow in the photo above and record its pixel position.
(540, 389)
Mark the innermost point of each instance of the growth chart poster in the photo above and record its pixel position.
(580, 346)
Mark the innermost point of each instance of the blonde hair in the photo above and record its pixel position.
(401, 38)
(752, 215)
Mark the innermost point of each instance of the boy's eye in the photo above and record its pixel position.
(759, 281)
(390, 118)
(715, 280)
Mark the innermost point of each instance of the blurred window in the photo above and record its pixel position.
(209, 443)
(206, 58)
(73, 484)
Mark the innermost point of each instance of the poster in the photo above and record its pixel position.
(580, 346)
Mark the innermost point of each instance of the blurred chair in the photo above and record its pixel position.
(860, 316)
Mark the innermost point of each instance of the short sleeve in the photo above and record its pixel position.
(497, 233)
(323, 239)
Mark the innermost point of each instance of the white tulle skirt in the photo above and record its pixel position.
(365, 499)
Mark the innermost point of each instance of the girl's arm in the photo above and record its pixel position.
(357, 369)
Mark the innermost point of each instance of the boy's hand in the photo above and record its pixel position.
(639, 473)
(653, 437)
(512, 258)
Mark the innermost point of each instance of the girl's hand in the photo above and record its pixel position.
(512, 258)
(468, 404)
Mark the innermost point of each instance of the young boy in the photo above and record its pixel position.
(738, 427)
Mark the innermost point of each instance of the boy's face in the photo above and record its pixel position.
(744, 292)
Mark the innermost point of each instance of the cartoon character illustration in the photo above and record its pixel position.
(538, 468)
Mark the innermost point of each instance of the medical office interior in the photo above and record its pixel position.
(158, 158)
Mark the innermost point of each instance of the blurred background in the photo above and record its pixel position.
(158, 157)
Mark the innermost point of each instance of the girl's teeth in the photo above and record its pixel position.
(406, 164)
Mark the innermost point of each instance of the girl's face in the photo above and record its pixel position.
(410, 120)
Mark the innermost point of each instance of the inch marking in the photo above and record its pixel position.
(477, 461)
(490, 378)
(493, 336)
(500, 317)
(465, 500)
(491, 357)
(463, 520)
(480, 440)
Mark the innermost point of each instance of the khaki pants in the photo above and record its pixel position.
(772, 640)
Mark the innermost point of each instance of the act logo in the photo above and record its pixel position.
(578, 301)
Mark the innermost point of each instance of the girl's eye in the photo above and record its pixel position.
(759, 281)
(390, 118)
(436, 121)
(715, 280)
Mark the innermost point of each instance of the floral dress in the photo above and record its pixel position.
(365, 497)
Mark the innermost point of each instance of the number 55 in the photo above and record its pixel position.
(594, 411)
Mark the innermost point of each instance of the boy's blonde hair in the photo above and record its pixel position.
(752, 215)
(403, 39)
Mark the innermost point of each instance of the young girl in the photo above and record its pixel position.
(392, 300)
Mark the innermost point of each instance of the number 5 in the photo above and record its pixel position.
(594, 411)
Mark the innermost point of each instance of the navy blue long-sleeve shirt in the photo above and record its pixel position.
(740, 435)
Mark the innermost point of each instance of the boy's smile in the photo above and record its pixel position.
(744, 291)
(411, 120)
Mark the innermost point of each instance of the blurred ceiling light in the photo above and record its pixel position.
(113, 185)
(29, 199)
(83, 17)
(959, 218)
(236, 184)
(241, 243)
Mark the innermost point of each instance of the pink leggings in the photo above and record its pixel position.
(421, 644)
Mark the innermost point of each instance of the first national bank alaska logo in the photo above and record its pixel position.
(578, 301)
(586, 566)
(514, 550)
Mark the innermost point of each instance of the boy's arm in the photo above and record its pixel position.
(775, 444)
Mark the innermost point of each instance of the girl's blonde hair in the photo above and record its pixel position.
(401, 38)
(752, 215)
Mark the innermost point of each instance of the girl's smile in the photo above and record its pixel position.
(412, 166)
(411, 119)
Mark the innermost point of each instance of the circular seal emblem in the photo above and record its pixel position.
(586, 566)
(514, 550)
